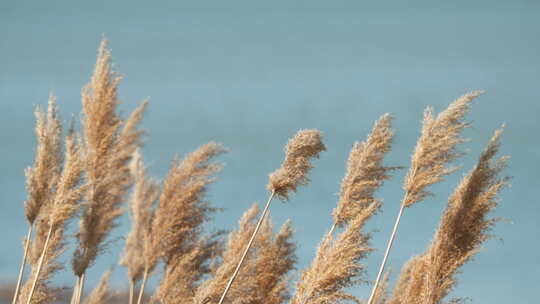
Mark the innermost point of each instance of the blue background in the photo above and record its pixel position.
(249, 74)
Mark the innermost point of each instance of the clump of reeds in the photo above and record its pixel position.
(337, 263)
(88, 175)
(108, 144)
(435, 150)
(299, 151)
(464, 226)
(266, 267)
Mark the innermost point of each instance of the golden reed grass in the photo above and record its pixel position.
(88, 175)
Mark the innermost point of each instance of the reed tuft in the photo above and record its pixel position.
(293, 172)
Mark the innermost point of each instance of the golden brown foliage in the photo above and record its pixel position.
(365, 172)
(336, 265)
(264, 274)
(108, 144)
(294, 170)
(144, 194)
(40, 178)
(462, 230)
(182, 210)
(436, 147)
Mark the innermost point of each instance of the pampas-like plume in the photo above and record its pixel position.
(463, 228)
(365, 172)
(211, 289)
(183, 273)
(434, 150)
(336, 265)
(266, 268)
(176, 225)
(108, 144)
(294, 170)
(300, 149)
(54, 215)
(41, 177)
(101, 294)
(144, 195)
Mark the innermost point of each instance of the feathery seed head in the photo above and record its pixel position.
(306, 144)
(436, 148)
(365, 172)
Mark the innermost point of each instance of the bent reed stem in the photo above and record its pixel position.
(141, 292)
(40, 264)
(261, 219)
(131, 291)
(23, 264)
(80, 288)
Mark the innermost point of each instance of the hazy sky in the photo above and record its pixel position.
(249, 74)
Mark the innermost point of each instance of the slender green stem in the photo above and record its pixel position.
(263, 215)
(23, 263)
(40, 265)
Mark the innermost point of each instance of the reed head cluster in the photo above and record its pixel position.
(306, 144)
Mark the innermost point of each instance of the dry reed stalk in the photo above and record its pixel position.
(463, 228)
(299, 151)
(63, 202)
(108, 144)
(176, 227)
(265, 271)
(41, 176)
(434, 150)
(144, 194)
(326, 278)
(101, 294)
(211, 289)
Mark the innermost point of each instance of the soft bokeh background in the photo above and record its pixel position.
(249, 74)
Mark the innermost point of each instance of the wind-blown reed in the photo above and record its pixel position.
(88, 173)
(435, 149)
(463, 228)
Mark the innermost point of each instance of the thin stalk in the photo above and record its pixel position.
(131, 291)
(331, 232)
(75, 291)
(40, 265)
(23, 263)
(263, 215)
(387, 252)
(141, 292)
(81, 288)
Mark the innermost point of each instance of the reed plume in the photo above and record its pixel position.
(101, 294)
(266, 268)
(49, 242)
(299, 151)
(41, 176)
(434, 150)
(463, 228)
(144, 194)
(337, 263)
(365, 172)
(306, 144)
(183, 274)
(108, 143)
(176, 227)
